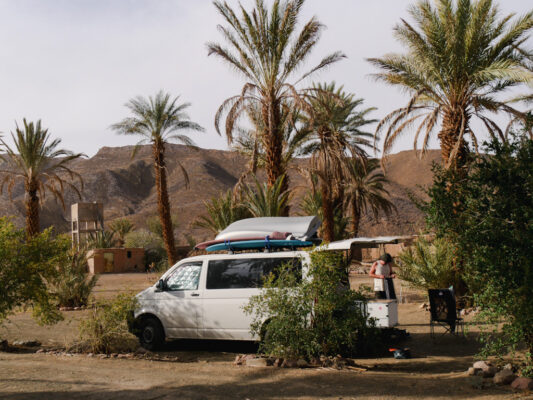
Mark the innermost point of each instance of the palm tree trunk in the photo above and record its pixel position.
(32, 210)
(327, 213)
(163, 204)
(356, 218)
(273, 144)
(448, 136)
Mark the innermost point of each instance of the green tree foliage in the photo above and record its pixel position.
(41, 166)
(158, 121)
(334, 124)
(73, 285)
(429, 264)
(121, 227)
(489, 216)
(262, 200)
(461, 55)
(221, 211)
(26, 266)
(267, 50)
(309, 317)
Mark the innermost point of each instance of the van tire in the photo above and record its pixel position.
(151, 334)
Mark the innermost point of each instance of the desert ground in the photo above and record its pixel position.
(205, 370)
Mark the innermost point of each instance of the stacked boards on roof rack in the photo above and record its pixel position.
(265, 232)
(259, 244)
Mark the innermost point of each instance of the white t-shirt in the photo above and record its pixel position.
(381, 269)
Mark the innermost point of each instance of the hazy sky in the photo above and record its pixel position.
(74, 63)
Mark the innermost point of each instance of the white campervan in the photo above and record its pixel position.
(203, 297)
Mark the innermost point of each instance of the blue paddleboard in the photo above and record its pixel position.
(258, 244)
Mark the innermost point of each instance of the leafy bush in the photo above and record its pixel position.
(26, 265)
(105, 330)
(309, 317)
(488, 215)
(154, 251)
(429, 265)
(72, 286)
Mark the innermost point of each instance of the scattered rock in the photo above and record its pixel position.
(40, 351)
(504, 377)
(278, 362)
(508, 367)
(482, 365)
(473, 371)
(271, 361)
(522, 383)
(301, 363)
(290, 363)
(114, 355)
(4, 345)
(490, 372)
(256, 362)
(90, 355)
(77, 308)
(66, 308)
(27, 343)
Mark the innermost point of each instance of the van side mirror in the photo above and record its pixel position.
(160, 285)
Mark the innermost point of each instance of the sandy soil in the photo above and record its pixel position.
(205, 370)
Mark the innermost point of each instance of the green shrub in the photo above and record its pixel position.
(429, 265)
(309, 317)
(26, 265)
(105, 330)
(72, 286)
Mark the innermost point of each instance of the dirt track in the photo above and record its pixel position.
(205, 370)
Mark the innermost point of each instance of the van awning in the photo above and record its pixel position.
(365, 242)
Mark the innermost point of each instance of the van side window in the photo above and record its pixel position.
(244, 273)
(185, 277)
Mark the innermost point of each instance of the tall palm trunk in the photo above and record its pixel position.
(328, 230)
(274, 148)
(32, 209)
(163, 204)
(356, 218)
(448, 136)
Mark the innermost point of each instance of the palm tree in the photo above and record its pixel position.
(311, 204)
(37, 161)
(266, 49)
(460, 57)
(365, 191)
(157, 120)
(101, 240)
(262, 200)
(335, 137)
(221, 211)
(121, 227)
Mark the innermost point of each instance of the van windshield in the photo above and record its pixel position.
(245, 272)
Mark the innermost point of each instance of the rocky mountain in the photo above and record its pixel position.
(126, 186)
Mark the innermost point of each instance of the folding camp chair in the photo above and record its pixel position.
(444, 312)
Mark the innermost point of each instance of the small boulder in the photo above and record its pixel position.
(27, 343)
(278, 362)
(256, 362)
(473, 371)
(522, 383)
(508, 367)
(490, 372)
(482, 365)
(290, 363)
(504, 377)
(301, 363)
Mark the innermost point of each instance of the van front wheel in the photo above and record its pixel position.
(151, 335)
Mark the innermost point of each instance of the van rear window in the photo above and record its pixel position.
(245, 273)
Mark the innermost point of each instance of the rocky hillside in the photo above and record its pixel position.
(126, 187)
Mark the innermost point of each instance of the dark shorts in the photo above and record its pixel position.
(382, 295)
